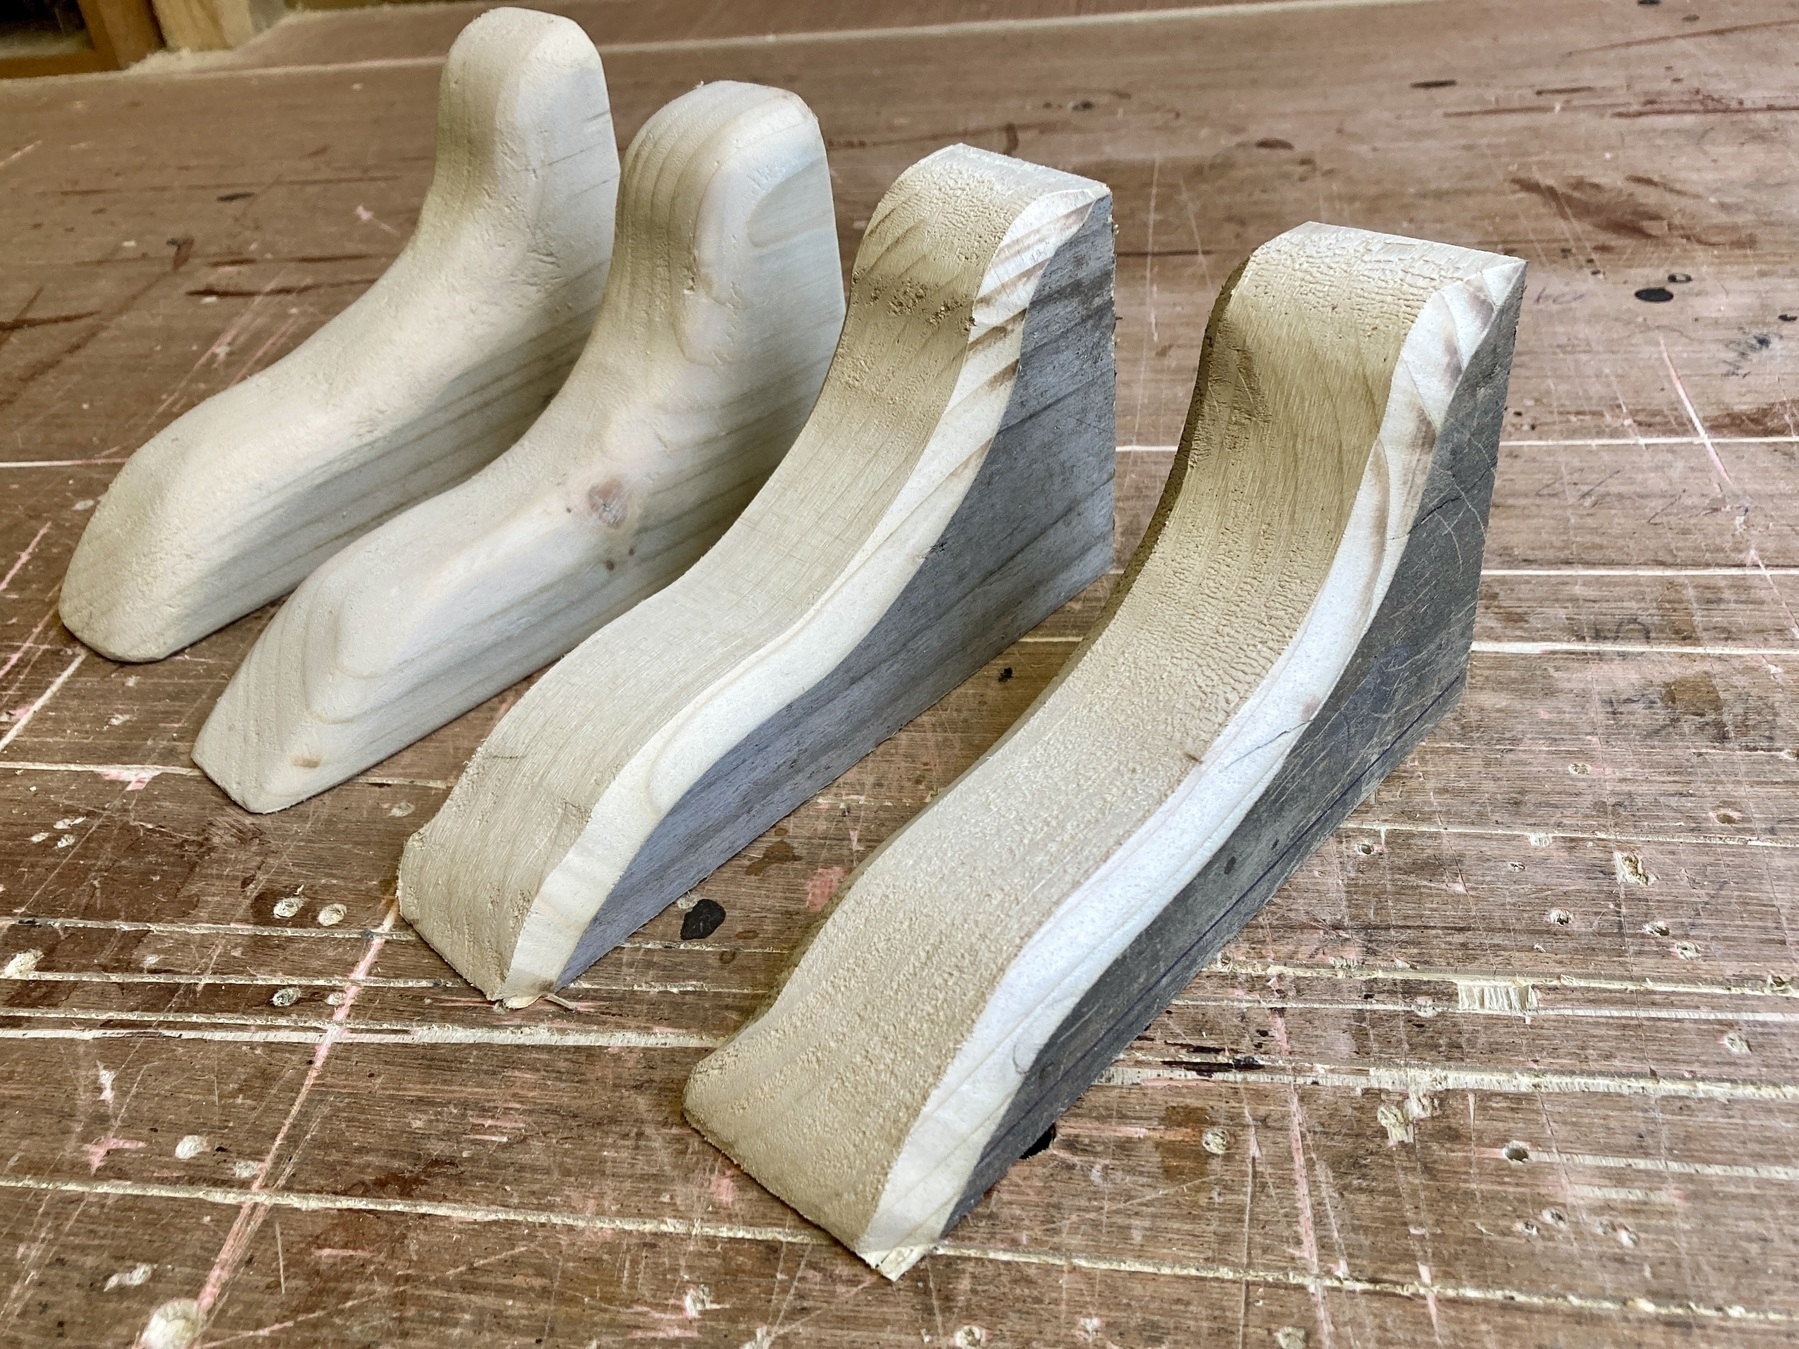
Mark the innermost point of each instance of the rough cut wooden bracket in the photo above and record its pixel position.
(436, 369)
(1298, 617)
(724, 304)
(951, 489)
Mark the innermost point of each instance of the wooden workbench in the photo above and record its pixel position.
(1511, 1061)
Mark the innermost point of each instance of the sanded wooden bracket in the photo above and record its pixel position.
(1298, 617)
(429, 375)
(724, 304)
(951, 489)
(216, 25)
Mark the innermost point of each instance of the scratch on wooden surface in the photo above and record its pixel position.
(139, 773)
(199, 980)
(1568, 443)
(1426, 1079)
(696, 1228)
(1539, 837)
(28, 644)
(25, 556)
(1669, 1166)
(301, 1029)
(194, 929)
(1751, 568)
(24, 717)
(249, 1216)
(399, 934)
(1350, 1284)
(263, 1200)
(1686, 404)
(60, 463)
(1512, 1005)
(1308, 1231)
(19, 154)
(336, 1309)
(1492, 648)
(1625, 649)
(1766, 986)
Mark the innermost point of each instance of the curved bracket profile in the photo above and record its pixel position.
(951, 489)
(432, 372)
(1298, 617)
(724, 304)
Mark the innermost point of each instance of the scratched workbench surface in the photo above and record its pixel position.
(1512, 1060)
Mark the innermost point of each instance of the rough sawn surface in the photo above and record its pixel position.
(950, 490)
(981, 968)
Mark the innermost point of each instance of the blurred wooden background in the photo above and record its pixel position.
(1511, 1061)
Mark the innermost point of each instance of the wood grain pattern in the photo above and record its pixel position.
(721, 310)
(1415, 951)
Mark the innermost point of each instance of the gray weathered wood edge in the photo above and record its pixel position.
(1405, 676)
(1034, 530)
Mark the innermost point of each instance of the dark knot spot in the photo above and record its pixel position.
(702, 920)
(1273, 143)
(1655, 295)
